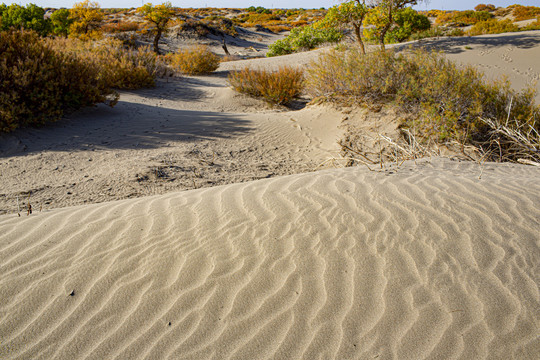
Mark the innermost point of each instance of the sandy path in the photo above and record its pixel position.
(422, 262)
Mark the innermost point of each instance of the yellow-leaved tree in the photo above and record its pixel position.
(350, 12)
(158, 16)
(87, 17)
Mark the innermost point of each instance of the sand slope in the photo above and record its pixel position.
(424, 262)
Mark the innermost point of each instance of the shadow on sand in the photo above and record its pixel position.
(126, 126)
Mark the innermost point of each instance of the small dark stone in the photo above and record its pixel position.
(170, 323)
(72, 293)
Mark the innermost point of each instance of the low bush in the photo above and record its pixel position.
(448, 101)
(437, 31)
(524, 12)
(276, 87)
(408, 21)
(121, 26)
(196, 60)
(462, 18)
(304, 38)
(38, 84)
(120, 67)
(493, 26)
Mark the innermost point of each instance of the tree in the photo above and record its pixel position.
(382, 16)
(351, 12)
(86, 17)
(60, 22)
(158, 16)
(30, 17)
(407, 21)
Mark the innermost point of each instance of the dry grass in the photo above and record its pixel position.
(196, 60)
(275, 87)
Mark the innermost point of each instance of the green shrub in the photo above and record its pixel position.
(463, 18)
(492, 26)
(448, 101)
(304, 38)
(275, 87)
(38, 84)
(196, 60)
(408, 21)
(30, 17)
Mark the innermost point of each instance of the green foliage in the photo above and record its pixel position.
(408, 21)
(196, 60)
(304, 38)
(30, 17)
(275, 87)
(61, 22)
(484, 7)
(38, 84)
(492, 26)
(447, 100)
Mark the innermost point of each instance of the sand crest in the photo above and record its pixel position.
(422, 262)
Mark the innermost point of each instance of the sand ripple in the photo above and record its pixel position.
(426, 262)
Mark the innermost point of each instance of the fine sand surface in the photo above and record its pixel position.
(437, 259)
(422, 262)
(514, 55)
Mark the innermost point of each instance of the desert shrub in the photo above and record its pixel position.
(118, 27)
(463, 18)
(119, 67)
(532, 26)
(305, 38)
(448, 101)
(492, 26)
(408, 21)
(484, 7)
(525, 12)
(38, 84)
(196, 60)
(29, 17)
(61, 22)
(276, 87)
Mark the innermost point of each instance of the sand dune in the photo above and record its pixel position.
(422, 262)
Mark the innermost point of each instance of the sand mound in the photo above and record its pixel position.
(427, 261)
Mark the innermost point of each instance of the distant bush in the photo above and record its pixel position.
(196, 60)
(437, 31)
(492, 26)
(484, 7)
(463, 18)
(29, 17)
(275, 87)
(449, 101)
(121, 26)
(305, 38)
(524, 12)
(38, 84)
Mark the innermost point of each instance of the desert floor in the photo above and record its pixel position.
(149, 239)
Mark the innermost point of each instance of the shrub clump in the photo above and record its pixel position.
(196, 60)
(38, 84)
(304, 38)
(493, 26)
(275, 87)
(449, 102)
(119, 67)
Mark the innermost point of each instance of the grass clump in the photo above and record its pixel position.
(275, 87)
(445, 101)
(196, 60)
(38, 83)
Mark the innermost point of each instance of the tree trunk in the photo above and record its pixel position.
(156, 40)
(387, 26)
(359, 38)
